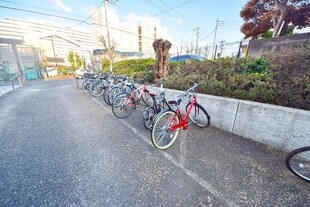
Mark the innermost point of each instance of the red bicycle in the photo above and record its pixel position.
(124, 103)
(167, 125)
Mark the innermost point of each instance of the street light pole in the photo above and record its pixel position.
(108, 34)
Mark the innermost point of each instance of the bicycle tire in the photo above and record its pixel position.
(200, 117)
(148, 115)
(96, 89)
(298, 162)
(146, 98)
(85, 88)
(113, 92)
(161, 137)
(122, 105)
(106, 95)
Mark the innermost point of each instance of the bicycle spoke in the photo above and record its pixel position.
(162, 137)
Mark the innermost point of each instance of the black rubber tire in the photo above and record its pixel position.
(148, 115)
(96, 89)
(122, 105)
(298, 162)
(106, 95)
(161, 137)
(198, 109)
(113, 92)
(146, 98)
(85, 88)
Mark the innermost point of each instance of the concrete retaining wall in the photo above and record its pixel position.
(282, 127)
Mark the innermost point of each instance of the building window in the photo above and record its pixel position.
(140, 38)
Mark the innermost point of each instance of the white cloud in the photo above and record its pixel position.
(61, 5)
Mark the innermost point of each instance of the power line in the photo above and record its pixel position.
(168, 10)
(34, 7)
(194, 24)
(208, 35)
(67, 18)
(40, 13)
(169, 14)
(189, 23)
(84, 21)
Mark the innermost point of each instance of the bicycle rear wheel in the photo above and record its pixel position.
(148, 115)
(162, 138)
(122, 105)
(199, 116)
(298, 162)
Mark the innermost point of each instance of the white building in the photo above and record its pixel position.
(129, 36)
(54, 41)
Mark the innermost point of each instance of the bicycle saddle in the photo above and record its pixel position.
(176, 103)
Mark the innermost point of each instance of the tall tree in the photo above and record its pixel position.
(109, 51)
(262, 15)
(72, 59)
(75, 60)
(78, 60)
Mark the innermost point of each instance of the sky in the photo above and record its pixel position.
(180, 19)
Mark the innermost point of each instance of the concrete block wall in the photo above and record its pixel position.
(281, 127)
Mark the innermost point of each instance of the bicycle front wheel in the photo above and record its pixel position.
(105, 95)
(96, 89)
(162, 137)
(85, 88)
(122, 105)
(113, 93)
(146, 98)
(298, 162)
(199, 116)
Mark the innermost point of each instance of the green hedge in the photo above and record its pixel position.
(280, 79)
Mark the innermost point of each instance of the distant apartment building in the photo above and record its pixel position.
(129, 36)
(54, 41)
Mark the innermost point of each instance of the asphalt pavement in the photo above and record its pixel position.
(60, 147)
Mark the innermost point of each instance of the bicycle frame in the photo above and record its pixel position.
(141, 89)
(133, 96)
(183, 120)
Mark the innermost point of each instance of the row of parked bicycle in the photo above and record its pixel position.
(162, 117)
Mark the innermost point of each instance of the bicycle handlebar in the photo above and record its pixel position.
(191, 89)
(160, 82)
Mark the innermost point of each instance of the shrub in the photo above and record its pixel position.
(63, 70)
(280, 78)
(139, 68)
(257, 66)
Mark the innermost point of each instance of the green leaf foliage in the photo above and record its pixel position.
(137, 67)
(279, 78)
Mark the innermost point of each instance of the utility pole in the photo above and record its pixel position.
(213, 49)
(197, 36)
(53, 47)
(108, 34)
